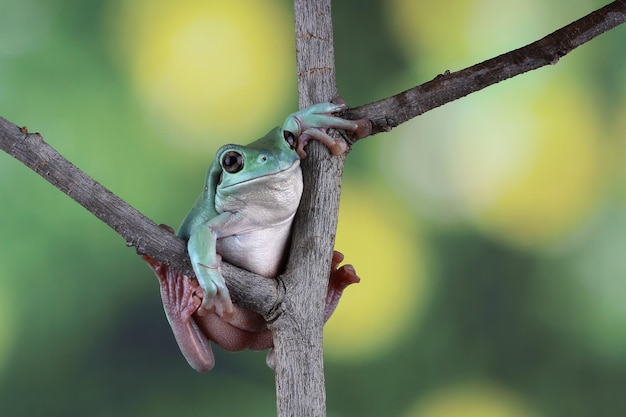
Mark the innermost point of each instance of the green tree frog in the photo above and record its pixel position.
(243, 215)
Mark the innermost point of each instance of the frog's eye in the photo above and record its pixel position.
(290, 138)
(232, 162)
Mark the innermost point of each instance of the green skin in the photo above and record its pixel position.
(245, 210)
(244, 216)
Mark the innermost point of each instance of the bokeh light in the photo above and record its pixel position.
(422, 28)
(554, 190)
(387, 253)
(206, 71)
(529, 180)
(471, 400)
(417, 23)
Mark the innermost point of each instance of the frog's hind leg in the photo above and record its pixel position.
(181, 298)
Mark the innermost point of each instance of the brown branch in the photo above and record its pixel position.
(297, 332)
(254, 292)
(390, 112)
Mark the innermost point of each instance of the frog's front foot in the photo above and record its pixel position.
(216, 297)
(312, 122)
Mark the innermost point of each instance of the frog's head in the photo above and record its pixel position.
(273, 153)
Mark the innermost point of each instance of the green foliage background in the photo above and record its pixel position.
(519, 309)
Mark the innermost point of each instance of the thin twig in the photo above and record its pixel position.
(390, 112)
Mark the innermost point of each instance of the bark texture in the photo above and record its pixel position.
(297, 332)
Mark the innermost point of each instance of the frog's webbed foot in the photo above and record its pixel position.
(312, 122)
(339, 279)
(181, 298)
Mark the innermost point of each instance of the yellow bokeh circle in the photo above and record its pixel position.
(378, 237)
(552, 190)
(471, 400)
(422, 27)
(437, 36)
(207, 70)
(525, 163)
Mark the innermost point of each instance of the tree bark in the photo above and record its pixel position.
(297, 332)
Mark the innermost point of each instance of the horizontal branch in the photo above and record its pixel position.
(390, 112)
(254, 292)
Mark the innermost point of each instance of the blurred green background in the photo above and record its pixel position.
(490, 234)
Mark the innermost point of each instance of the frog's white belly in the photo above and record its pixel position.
(260, 251)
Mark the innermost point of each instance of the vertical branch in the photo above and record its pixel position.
(315, 54)
(298, 331)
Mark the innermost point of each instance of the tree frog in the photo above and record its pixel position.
(243, 215)
(244, 329)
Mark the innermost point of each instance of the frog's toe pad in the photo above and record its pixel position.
(220, 304)
(337, 146)
(363, 128)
